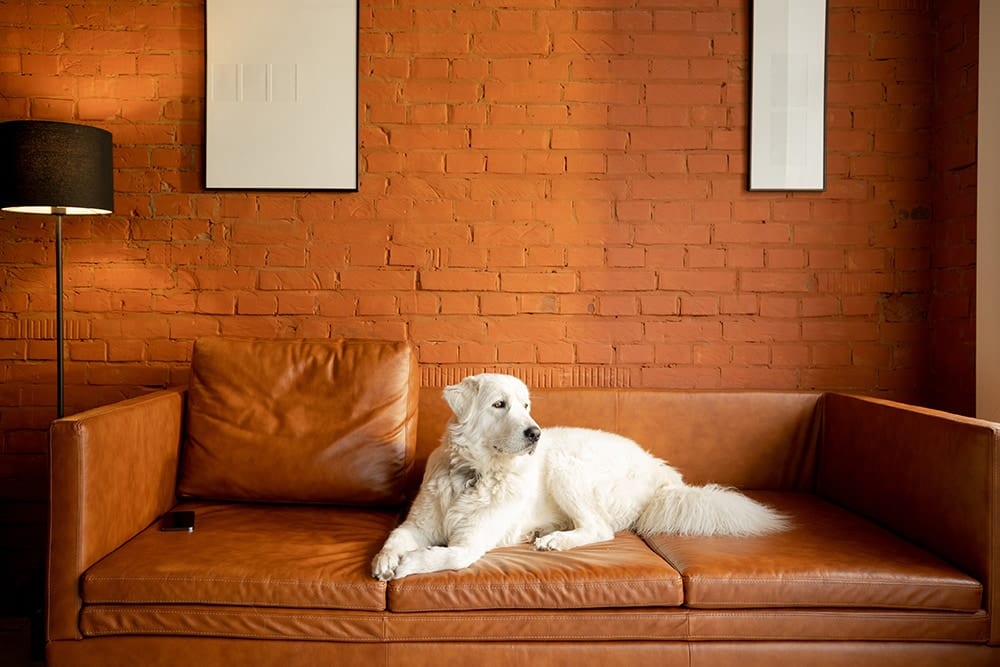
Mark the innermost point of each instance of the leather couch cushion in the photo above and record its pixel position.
(248, 555)
(746, 439)
(622, 572)
(330, 421)
(830, 558)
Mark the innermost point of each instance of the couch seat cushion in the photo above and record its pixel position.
(622, 572)
(830, 558)
(259, 555)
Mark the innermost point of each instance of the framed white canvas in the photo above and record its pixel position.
(788, 95)
(281, 94)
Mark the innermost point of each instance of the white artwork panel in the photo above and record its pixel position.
(788, 95)
(281, 98)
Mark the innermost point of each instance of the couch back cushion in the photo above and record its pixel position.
(747, 439)
(310, 421)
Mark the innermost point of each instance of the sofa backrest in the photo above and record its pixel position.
(311, 421)
(746, 439)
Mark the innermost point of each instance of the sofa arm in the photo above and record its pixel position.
(112, 471)
(929, 476)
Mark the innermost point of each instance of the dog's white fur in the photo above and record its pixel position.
(497, 480)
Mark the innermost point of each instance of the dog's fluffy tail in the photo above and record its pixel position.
(706, 510)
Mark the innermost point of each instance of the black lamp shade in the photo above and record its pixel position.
(55, 168)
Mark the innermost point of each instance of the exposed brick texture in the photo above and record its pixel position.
(554, 188)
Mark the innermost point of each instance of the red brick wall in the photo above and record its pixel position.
(555, 188)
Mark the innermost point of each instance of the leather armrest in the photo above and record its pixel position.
(112, 471)
(929, 476)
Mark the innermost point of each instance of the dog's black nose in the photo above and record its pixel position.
(533, 433)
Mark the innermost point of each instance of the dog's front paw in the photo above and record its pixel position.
(385, 564)
(411, 563)
(551, 542)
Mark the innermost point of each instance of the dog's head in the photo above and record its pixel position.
(494, 410)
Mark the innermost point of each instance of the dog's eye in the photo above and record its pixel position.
(500, 405)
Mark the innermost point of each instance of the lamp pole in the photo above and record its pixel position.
(60, 356)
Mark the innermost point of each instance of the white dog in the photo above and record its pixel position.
(497, 479)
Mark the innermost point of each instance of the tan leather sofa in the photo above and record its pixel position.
(297, 457)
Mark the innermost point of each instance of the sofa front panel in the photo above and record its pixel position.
(534, 626)
(226, 652)
(270, 623)
(755, 440)
(690, 625)
(294, 556)
(331, 421)
(623, 572)
(876, 625)
(700, 654)
(188, 651)
(829, 558)
(337, 626)
(840, 654)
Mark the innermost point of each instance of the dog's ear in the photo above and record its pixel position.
(459, 396)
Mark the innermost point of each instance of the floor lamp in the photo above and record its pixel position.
(58, 169)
